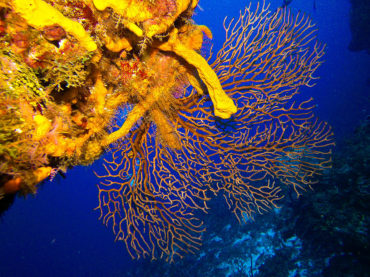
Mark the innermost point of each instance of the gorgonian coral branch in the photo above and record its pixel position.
(151, 191)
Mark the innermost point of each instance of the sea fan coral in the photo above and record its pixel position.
(82, 77)
(150, 191)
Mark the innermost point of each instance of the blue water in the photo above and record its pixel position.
(57, 232)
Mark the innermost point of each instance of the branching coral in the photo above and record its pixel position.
(184, 130)
(271, 140)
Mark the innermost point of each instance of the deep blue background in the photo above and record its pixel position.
(56, 232)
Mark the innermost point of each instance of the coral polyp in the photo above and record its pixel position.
(80, 78)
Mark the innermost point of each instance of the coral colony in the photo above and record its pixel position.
(82, 77)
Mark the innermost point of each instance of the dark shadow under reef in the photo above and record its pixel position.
(6, 203)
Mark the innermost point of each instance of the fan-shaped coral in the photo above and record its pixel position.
(185, 128)
(150, 189)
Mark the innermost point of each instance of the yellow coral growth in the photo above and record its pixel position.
(43, 126)
(136, 11)
(76, 95)
(132, 10)
(41, 173)
(134, 116)
(165, 129)
(40, 14)
(117, 45)
(98, 94)
(223, 104)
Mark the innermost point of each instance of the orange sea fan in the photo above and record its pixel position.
(150, 192)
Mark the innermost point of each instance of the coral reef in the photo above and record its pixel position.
(271, 139)
(67, 66)
(323, 233)
(79, 78)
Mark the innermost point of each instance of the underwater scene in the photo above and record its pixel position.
(184, 138)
